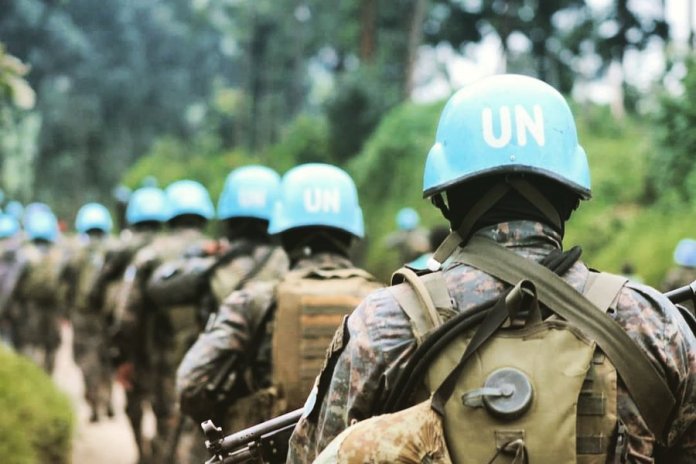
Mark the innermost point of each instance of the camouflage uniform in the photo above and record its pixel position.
(150, 340)
(90, 340)
(678, 277)
(11, 268)
(36, 306)
(378, 341)
(235, 332)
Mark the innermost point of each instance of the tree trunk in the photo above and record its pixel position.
(368, 30)
(415, 36)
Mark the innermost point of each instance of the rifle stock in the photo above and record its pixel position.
(267, 442)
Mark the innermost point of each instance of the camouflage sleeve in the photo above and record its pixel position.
(658, 327)
(379, 343)
(227, 335)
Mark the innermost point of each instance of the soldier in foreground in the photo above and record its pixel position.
(90, 340)
(507, 171)
(260, 355)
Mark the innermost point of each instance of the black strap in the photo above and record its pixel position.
(643, 380)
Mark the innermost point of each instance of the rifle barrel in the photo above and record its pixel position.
(243, 437)
(682, 293)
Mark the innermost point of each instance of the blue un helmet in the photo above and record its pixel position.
(317, 195)
(41, 225)
(93, 216)
(685, 253)
(9, 225)
(249, 191)
(189, 197)
(407, 219)
(147, 204)
(503, 124)
(15, 209)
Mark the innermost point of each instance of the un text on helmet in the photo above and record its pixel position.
(524, 123)
(322, 200)
(252, 199)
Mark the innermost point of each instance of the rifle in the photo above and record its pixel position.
(267, 442)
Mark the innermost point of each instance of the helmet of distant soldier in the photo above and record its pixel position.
(147, 204)
(685, 253)
(93, 216)
(41, 224)
(15, 209)
(407, 219)
(9, 225)
(506, 124)
(249, 191)
(317, 194)
(189, 197)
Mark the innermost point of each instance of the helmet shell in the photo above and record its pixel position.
(505, 124)
(685, 253)
(9, 225)
(15, 209)
(41, 225)
(317, 194)
(249, 191)
(189, 197)
(93, 216)
(147, 204)
(407, 219)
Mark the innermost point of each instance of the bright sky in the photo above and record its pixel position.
(484, 59)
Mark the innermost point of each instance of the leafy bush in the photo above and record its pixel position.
(36, 424)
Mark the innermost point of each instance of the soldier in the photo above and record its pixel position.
(685, 271)
(90, 348)
(146, 211)
(508, 163)
(36, 306)
(11, 267)
(244, 209)
(410, 241)
(258, 358)
(163, 308)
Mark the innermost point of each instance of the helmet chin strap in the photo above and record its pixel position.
(485, 203)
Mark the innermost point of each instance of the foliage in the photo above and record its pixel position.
(673, 171)
(36, 424)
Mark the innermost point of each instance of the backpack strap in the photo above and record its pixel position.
(418, 292)
(644, 381)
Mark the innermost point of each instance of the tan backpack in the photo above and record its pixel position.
(310, 307)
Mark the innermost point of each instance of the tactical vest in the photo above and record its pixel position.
(531, 391)
(310, 307)
(41, 278)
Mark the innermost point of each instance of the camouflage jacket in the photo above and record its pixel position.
(378, 342)
(246, 260)
(232, 333)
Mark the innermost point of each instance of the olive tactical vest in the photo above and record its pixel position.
(310, 307)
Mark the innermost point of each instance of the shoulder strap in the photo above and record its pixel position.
(646, 384)
(427, 292)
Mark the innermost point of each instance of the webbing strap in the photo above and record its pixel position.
(603, 288)
(645, 383)
(418, 292)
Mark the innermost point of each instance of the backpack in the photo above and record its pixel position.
(311, 305)
(508, 386)
(40, 281)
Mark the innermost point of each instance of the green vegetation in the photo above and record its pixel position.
(36, 424)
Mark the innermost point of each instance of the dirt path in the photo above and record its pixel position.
(107, 442)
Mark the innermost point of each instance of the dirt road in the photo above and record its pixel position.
(107, 442)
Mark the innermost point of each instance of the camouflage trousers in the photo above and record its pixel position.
(91, 353)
